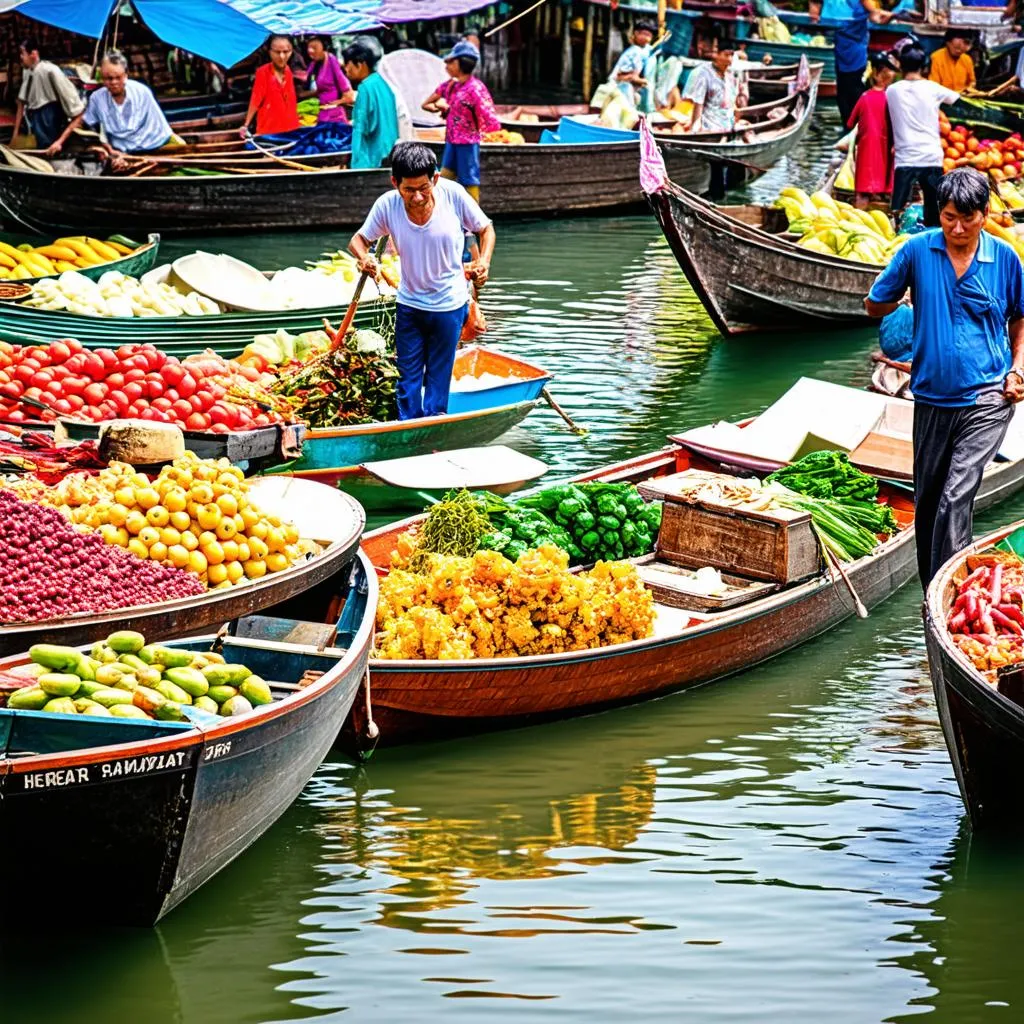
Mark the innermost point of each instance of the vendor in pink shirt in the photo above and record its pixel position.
(469, 111)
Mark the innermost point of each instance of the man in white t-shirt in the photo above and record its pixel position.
(427, 217)
(913, 105)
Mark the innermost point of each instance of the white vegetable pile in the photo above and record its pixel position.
(116, 294)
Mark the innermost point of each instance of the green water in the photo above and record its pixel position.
(787, 845)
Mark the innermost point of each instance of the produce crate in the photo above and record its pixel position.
(777, 545)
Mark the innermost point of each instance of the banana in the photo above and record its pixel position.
(40, 264)
(57, 252)
(81, 247)
(822, 200)
(124, 250)
(7, 262)
(884, 224)
(63, 265)
(107, 252)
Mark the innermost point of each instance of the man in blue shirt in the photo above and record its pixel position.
(967, 363)
(851, 39)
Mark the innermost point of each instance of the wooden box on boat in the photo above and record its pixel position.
(776, 544)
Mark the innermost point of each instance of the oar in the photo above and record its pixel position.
(350, 313)
(858, 604)
(573, 426)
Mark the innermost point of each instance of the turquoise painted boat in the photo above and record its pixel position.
(226, 333)
(790, 53)
(336, 455)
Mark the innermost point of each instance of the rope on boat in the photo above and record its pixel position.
(371, 731)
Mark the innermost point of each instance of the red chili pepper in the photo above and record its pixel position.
(979, 574)
(1011, 611)
(971, 606)
(996, 586)
(999, 619)
(957, 623)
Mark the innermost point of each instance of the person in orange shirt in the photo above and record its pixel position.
(273, 101)
(952, 66)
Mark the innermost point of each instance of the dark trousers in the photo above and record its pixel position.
(903, 182)
(952, 447)
(849, 86)
(425, 343)
(719, 181)
(47, 122)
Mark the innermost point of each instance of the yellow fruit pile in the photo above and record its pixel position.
(20, 263)
(488, 607)
(195, 515)
(839, 229)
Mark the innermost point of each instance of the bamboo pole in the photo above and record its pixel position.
(588, 53)
(565, 80)
(516, 17)
(661, 17)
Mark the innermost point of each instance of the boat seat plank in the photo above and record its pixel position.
(471, 468)
(288, 631)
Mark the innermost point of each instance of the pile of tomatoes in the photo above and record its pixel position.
(43, 382)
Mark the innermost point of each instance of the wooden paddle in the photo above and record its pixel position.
(858, 604)
(266, 152)
(346, 323)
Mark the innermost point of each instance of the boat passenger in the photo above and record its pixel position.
(375, 123)
(333, 89)
(714, 89)
(873, 169)
(629, 75)
(967, 361)
(952, 65)
(426, 217)
(126, 112)
(48, 98)
(851, 47)
(466, 105)
(913, 106)
(273, 103)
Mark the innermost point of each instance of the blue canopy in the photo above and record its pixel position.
(226, 31)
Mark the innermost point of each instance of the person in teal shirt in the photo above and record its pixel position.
(375, 114)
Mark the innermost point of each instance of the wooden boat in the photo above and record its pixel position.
(789, 54)
(162, 806)
(226, 333)
(519, 181)
(418, 700)
(770, 81)
(335, 455)
(749, 277)
(983, 727)
(322, 514)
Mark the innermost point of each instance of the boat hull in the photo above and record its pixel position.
(749, 280)
(518, 181)
(983, 729)
(145, 824)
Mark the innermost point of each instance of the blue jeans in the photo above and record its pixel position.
(426, 343)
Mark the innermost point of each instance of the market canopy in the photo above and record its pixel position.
(225, 31)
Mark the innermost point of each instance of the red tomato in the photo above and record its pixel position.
(182, 409)
(262, 420)
(59, 352)
(77, 363)
(16, 417)
(155, 358)
(75, 401)
(11, 391)
(40, 355)
(161, 403)
(62, 406)
(32, 364)
(33, 393)
(197, 421)
(220, 428)
(74, 344)
(198, 403)
(139, 361)
(115, 380)
(95, 367)
(120, 400)
(172, 373)
(172, 394)
(109, 357)
(59, 372)
(186, 386)
(134, 374)
(55, 388)
(75, 385)
(24, 373)
(154, 388)
(127, 351)
(222, 414)
(41, 378)
(134, 390)
(94, 394)
(147, 413)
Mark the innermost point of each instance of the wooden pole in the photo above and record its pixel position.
(566, 78)
(661, 17)
(588, 53)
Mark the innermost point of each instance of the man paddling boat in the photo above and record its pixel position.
(967, 368)
(427, 217)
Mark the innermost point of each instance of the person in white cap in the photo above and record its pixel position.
(466, 104)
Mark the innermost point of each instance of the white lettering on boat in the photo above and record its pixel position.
(217, 750)
(143, 765)
(61, 777)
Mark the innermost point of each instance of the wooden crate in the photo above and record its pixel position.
(663, 578)
(777, 544)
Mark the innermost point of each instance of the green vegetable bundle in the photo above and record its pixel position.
(456, 524)
(848, 530)
(589, 521)
(827, 474)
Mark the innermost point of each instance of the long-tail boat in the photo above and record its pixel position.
(749, 276)
(145, 812)
(982, 721)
